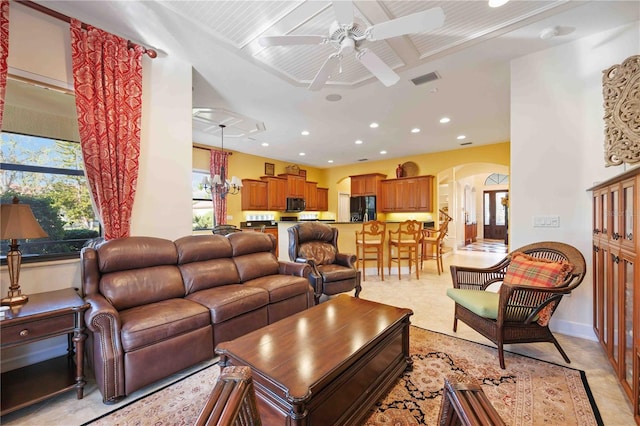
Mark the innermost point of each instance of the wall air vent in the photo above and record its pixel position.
(432, 76)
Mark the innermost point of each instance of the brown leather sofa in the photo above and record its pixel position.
(158, 306)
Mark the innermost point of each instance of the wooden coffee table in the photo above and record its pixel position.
(327, 365)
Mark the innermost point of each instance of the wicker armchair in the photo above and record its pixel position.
(232, 401)
(513, 314)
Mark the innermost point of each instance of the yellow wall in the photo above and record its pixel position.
(248, 166)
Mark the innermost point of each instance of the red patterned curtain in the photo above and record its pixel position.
(107, 77)
(218, 160)
(4, 51)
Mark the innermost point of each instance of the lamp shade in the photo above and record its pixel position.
(18, 222)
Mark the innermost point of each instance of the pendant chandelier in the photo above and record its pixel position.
(220, 184)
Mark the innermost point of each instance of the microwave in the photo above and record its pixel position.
(295, 204)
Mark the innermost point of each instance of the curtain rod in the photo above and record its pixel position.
(35, 6)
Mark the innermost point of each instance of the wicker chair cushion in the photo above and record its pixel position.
(528, 270)
(481, 303)
(321, 253)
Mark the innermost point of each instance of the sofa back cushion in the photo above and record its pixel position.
(254, 254)
(205, 262)
(136, 271)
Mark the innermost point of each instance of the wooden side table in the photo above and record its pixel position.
(45, 315)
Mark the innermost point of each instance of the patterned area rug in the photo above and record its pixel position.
(527, 392)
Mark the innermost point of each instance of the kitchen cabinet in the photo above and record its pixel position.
(276, 192)
(323, 199)
(411, 194)
(254, 194)
(311, 195)
(616, 278)
(295, 185)
(368, 184)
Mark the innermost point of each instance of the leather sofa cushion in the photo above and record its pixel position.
(281, 287)
(209, 273)
(148, 324)
(196, 248)
(251, 242)
(255, 265)
(135, 252)
(336, 272)
(126, 289)
(230, 301)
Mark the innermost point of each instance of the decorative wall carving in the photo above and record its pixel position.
(621, 92)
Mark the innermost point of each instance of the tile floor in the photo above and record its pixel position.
(432, 310)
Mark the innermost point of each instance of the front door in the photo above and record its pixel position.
(495, 214)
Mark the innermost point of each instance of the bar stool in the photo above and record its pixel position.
(406, 241)
(371, 241)
(432, 242)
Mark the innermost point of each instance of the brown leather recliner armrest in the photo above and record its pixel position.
(104, 321)
(299, 269)
(344, 259)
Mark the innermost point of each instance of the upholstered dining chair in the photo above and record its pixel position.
(532, 281)
(370, 240)
(432, 243)
(332, 272)
(405, 241)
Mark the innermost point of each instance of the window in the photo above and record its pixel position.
(48, 174)
(202, 203)
(497, 179)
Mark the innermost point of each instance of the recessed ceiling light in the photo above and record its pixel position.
(383, 152)
(333, 97)
(461, 137)
(330, 161)
(374, 125)
(305, 133)
(302, 154)
(358, 142)
(264, 144)
(497, 3)
(415, 130)
(445, 120)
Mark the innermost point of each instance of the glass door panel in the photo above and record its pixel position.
(627, 279)
(615, 307)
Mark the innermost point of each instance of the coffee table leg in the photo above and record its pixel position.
(405, 344)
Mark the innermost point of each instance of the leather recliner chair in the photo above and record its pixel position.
(332, 272)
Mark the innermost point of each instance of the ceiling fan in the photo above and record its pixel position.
(347, 33)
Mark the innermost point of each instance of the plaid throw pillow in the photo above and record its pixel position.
(528, 270)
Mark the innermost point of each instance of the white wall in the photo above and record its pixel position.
(162, 206)
(557, 136)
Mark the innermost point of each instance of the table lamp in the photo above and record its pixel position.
(17, 222)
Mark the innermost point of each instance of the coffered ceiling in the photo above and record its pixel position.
(264, 90)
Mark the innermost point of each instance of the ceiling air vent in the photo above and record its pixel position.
(466, 143)
(432, 76)
(363, 159)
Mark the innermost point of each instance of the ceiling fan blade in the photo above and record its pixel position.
(415, 23)
(288, 40)
(323, 74)
(377, 67)
(343, 11)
